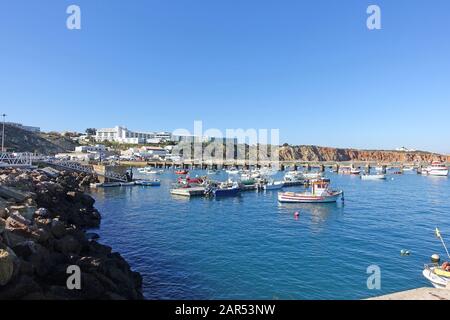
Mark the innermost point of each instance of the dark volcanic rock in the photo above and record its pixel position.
(38, 245)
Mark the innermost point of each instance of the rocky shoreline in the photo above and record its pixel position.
(43, 218)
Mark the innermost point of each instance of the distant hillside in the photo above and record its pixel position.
(19, 140)
(316, 153)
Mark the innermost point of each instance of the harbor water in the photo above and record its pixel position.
(252, 247)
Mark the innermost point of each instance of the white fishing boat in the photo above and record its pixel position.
(148, 183)
(355, 171)
(438, 274)
(436, 169)
(320, 193)
(378, 176)
(294, 176)
(232, 171)
(378, 168)
(211, 172)
(312, 175)
(127, 184)
(273, 185)
(408, 169)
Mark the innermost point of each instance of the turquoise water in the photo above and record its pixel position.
(252, 247)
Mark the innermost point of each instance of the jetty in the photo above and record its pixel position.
(417, 294)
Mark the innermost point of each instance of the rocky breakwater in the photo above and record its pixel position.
(43, 218)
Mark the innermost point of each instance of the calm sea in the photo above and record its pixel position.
(252, 247)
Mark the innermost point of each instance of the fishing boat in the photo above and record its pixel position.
(181, 172)
(408, 169)
(436, 168)
(226, 190)
(294, 176)
(211, 172)
(320, 193)
(232, 171)
(438, 274)
(378, 176)
(127, 184)
(273, 185)
(355, 171)
(149, 183)
(313, 175)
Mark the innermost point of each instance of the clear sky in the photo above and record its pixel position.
(309, 68)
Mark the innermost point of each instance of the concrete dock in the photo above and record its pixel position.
(417, 294)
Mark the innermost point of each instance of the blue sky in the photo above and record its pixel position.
(309, 68)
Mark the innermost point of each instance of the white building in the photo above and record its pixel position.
(123, 135)
(21, 126)
(92, 149)
(145, 152)
(404, 149)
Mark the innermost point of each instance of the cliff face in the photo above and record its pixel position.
(315, 153)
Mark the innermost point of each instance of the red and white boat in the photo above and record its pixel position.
(181, 172)
(320, 193)
(436, 169)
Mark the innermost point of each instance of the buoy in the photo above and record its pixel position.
(435, 258)
(296, 214)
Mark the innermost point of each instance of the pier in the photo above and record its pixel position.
(417, 294)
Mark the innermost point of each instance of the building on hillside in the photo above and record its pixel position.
(404, 149)
(92, 149)
(145, 152)
(123, 135)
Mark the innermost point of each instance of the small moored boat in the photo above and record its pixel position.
(181, 172)
(436, 169)
(373, 177)
(226, 190)
(320, 193)
(273, 185)
(149, 183)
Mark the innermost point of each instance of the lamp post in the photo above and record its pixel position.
(3, 133)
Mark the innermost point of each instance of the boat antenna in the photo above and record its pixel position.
(438, 234)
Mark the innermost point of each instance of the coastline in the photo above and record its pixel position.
(43, 218)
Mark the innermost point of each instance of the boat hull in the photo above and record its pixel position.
(439, 173)
(273, 186)
(306, 198)
(437, 281)
(226, 192)
(374, 177)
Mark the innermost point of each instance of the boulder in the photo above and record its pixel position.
(41, 212)
(68, 245)
(6, 267)
(14, 193)
(17, 217)
(58, 228)
(2, 225)
(25, 211)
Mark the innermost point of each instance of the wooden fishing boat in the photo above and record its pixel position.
(373, 177)
(320, 193)
(149, 183)
(273, 185)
